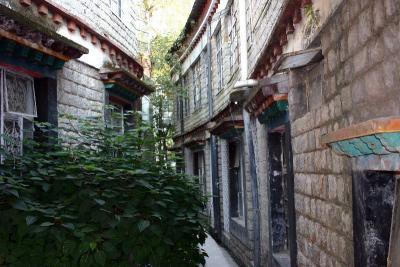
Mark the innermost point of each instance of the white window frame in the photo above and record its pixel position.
(116, 10)
(5, 93)
(15, 116)
(233, 39)
(122, 113)
(220, 59)
(186, 102)
(196, 76)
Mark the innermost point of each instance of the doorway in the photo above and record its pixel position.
(373, 202)
(281, 187)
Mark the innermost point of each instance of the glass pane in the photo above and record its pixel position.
(20, 95)
(117, 118)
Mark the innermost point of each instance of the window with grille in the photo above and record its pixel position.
(186, 102)
(199, 170)
(196, 80)
(236, 180)
(178, 108)
(116, 7)
(17, 110)
(249, 12)
(233, 39)
(220, 63)
(117, 118)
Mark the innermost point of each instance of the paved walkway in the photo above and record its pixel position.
(217, 256)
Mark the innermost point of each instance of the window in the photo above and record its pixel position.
(186, 101)
(249, 12)
(233, 39)
(199, 170)
(235, 180)
(116, 7)
(178, 108)
(17, 110)
(117, 118)
(220, 63)
(196, 80)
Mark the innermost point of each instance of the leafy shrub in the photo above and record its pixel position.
(105, 200)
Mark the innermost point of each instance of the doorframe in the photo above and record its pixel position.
(292, 237)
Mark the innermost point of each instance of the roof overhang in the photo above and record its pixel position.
(298, 59)
(229, 127)
(52, 17)
(24, 38)
(270, 90)
(124, 84)
(195, 27)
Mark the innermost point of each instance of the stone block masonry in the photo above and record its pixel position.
(103, 15)
(360, 73)
(80, 93)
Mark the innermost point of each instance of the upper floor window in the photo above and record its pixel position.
(17, 110)
(186, 102)
(220, 63)
(116, 7)
(249, 11)
(233, 39)
(178, 108)
(196, 80)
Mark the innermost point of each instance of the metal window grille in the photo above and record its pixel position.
(233, 39)
(236, 180)
(116, 7)
(220, 63)
(17, 110)
(117, 118)
(196, 81)
(186, 102)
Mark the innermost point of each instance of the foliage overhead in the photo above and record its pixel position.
(106, 200)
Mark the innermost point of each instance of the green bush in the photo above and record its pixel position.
(104, 200)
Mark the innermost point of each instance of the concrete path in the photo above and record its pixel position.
(217, 256)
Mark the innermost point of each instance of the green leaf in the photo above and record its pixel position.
(93, 245)
(99, 201)
(47, 224)
(20, 205)
(86, 260)
(69, 247)
(69, 226)
(145, 184)
(45, 187)
(30, 220)
(36, 179)
(143, 224)
(100, 258)
(13, 192)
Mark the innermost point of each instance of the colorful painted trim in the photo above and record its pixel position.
(43, 62)
(57, 15)
(374, 137)
(277, 109)
(121, 91)
(229, 127)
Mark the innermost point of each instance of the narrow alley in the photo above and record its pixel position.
(217, 255)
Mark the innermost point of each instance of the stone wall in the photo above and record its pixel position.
(80, 92)
(358, 80)
(102, 15)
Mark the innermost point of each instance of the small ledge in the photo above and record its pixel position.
(373, 137)
(124, 84)
(229, 127)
